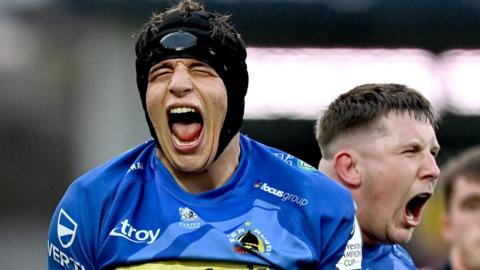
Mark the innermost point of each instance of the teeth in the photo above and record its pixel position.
(182, 110)
(182, 143)
(424, 196)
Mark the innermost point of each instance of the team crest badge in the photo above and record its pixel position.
(189, 219)
(249, 240)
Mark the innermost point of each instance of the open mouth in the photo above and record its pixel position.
(414, 207)
(186, 125)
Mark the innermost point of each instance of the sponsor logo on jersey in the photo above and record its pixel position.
(62, 258)
(285, 157)
(290, 160)
(135, 166)
(127, 231)
(66, 229)
(284, 196)
(247, 239)
(189, 219)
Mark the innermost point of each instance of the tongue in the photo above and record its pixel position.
(186, 132)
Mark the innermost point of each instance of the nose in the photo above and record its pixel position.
(431, 170)
(180, 82)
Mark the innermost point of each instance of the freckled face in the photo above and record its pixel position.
(187, 103)
(399, 173)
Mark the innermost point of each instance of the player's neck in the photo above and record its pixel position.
(216, 175)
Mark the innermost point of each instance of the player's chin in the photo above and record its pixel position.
(190, 164)
(199, 161)
(401, 235)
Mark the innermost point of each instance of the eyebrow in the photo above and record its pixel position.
(159, 66)
(470, 198)
(193, 63)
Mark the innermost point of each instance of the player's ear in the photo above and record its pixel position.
(344, 163)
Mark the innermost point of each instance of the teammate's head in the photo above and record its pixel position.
(461, 222)
(379, 141)
(188, 31)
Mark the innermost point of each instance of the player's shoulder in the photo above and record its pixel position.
(297, 176)
(263, 155)
(79, 221)
(268, 153)
(285, 162)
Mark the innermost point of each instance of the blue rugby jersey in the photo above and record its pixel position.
(275, 212)
(386, 256)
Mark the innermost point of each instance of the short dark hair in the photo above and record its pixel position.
(467, 165)
(220, 23)
(364, 104)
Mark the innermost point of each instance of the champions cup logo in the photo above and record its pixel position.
(285, 196)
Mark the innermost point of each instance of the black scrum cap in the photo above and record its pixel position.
(191, 35)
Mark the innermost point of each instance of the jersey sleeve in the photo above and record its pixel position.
(337, 229)
(73, 235)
